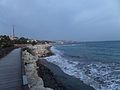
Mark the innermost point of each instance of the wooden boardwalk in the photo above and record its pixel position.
(10, 71)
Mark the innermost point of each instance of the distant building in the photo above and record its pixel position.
(31, 40)
(60, 42)
(13, 38)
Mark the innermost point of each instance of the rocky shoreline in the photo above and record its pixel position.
(39, 76)
(43, 75)
(48, 77)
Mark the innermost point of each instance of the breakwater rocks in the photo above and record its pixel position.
(48, 76)
(34, 81)
(39, 76)
(42, 50)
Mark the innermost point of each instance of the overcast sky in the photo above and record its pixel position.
(61, 19)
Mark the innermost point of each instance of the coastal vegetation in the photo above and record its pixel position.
(5, 42)
(9, 41)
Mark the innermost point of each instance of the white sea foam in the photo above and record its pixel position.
(67, 45)
(98, 75)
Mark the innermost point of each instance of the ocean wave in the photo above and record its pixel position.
(99, 75)
(66, 45)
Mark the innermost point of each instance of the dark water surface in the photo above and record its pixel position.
(95, 63)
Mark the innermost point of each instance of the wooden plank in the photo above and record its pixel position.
(10, 71)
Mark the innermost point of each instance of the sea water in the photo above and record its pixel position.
(95, 63)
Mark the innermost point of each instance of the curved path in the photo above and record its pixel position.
(10, 71)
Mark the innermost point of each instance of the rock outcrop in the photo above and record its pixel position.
(41, 50)
(34, 81)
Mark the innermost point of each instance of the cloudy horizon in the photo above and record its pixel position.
(83, 20)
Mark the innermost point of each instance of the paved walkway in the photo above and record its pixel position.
(10, 71)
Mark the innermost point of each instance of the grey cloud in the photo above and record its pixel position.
(61, 19)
